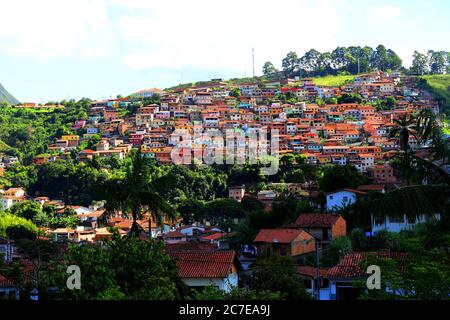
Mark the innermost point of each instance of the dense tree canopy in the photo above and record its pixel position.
(351, 59)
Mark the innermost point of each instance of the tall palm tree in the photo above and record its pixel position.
(404, 129)
(433, 194)
(135, 195)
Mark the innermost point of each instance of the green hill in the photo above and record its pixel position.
(332, 80)
(439, 86)
(5, 96)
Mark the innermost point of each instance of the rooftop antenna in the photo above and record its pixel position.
(253, 61)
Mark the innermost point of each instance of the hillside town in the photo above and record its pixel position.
(322, 125)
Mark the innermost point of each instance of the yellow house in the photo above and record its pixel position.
(72, 137)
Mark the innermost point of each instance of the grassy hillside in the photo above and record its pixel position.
(439, 86)
(333, 80)
(5, 96)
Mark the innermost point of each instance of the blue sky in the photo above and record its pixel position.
(56, 49)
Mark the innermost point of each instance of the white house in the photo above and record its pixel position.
(191, 230)
(341, 198)
(10, 197)
(199, 269)
(399, 224)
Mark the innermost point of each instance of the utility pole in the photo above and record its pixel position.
(253, 61)
(358, 65)
(317, 282)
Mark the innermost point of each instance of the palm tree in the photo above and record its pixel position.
(405, 127)
(135, 194)
(432, 194)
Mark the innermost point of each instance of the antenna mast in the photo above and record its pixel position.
(253, 61)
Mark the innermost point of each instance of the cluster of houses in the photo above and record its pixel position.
(325, 133)
(322, 133)
(205, 256)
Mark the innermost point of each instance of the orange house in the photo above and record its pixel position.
(323, 226)
(285, 242)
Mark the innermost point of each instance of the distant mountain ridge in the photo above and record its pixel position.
(5, 96)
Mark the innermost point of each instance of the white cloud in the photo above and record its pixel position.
(201, 34)
(47, 29)
(171, 34)
(385, 13)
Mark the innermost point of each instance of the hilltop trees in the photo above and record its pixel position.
(290, 63)
(419, 63)
(268, 69)
(434, 62)
(351, 59)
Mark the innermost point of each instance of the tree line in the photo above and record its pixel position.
(433, 62)
(354, 60)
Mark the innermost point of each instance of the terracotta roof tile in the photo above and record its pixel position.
(202, 264)
(311, 220)
(190, 246)
(349, 267)
(280, 235)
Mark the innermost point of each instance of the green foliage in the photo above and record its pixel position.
(222, 211)
(235, 92)
(333, 80)
(349, 98)
(278, 274)
(214, 293)
(26, 209)
(338, 248)
(123, 268)
(20, 232)
(250, 203)
(438, 86)
(341, 61)
(268, 68)
(338, 177)
(9, 220)
(28, 131)
(135, 194)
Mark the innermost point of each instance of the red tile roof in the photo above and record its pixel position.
(185, 246)
(349, 190)
(315, 220)
(280, 235)
(202, 264)
(214, 236)
(4, 281)
(311, 271)
(349, 265)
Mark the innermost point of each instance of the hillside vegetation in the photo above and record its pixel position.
(331, 80)
(439, 86)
